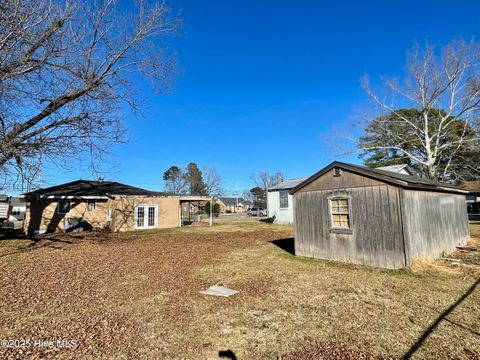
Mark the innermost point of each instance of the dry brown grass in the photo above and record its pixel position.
(135, 295)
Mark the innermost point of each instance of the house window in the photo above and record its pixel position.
(283, 199)
(63, 207)
(340, 213)
(145, 216)
(91, 205)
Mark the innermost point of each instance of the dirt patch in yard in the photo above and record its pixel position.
(136, 295)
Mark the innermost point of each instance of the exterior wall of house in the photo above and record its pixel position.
(120, 212)
(282, 215)
(17, 213)
(375, 238)
(223, 207)
(43, 216)
(123, 211)
(434, 222)
(226, 209)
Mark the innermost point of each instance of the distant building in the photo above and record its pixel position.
(18, 207)
(398, 169)
(279, 201)
(473, 188)
(233, 205)
(4, 207)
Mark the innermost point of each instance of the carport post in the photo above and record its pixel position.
(211, 211)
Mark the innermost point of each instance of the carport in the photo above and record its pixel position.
(189, 207)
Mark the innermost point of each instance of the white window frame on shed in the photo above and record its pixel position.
(146, 223)
(337, 229)
(285, 192)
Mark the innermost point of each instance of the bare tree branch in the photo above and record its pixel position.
(67, 67)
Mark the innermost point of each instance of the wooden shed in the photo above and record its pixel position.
(376, 218)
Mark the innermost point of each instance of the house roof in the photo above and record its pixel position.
(395, 168)
(231, 201)
(471, 186)
(405, 181)
(16, 201)
(92, 189)
(287, 184)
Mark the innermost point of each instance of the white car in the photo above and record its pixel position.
(255, 211)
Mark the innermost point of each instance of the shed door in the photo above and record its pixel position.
(145, 216)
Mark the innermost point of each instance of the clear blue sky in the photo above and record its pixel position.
(266, 83)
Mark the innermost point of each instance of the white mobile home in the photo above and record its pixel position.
(280, 202)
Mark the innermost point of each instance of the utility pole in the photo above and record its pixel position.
(236, 195)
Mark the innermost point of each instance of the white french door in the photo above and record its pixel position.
(146, 216)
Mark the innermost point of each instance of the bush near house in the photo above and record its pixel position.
(215, 210)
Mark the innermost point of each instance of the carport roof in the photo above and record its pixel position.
(91, 189)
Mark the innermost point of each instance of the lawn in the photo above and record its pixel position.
(136, 295)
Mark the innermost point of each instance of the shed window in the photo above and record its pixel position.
(340, 211)
(63, 207)
(91, 205)
(283, 199)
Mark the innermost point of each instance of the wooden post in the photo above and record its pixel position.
(211, 211)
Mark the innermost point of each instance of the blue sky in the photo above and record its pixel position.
(267, 84)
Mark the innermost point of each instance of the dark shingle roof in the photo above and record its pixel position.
(405, 181)
(231, 201)
(81, 188)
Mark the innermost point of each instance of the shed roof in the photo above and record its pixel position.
(91, 188)
(405, 181)
(287, 184)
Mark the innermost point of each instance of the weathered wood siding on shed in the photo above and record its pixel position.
(434, 222)
(376, 238)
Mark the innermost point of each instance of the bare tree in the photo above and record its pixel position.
(442, 86)
(67, 67)
(265, 180)
(213, 181)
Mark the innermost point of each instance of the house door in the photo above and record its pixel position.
(146, 216)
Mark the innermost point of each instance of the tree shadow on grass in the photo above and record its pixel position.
(286, 244)
(35, 242)
(443, 316)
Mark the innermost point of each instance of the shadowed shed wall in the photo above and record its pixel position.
(434, 222)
